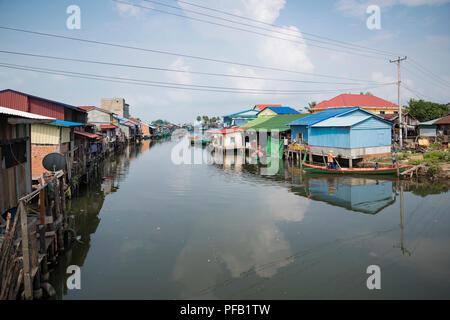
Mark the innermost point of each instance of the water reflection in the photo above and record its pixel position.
(353, 193)
(86, 207)
(155, 230)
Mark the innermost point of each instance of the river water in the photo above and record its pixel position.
(152, 229)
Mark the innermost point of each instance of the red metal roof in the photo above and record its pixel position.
(87, 134)
(443, 120)
(40, 98)
(86, 107)
(107, 126)
(355, 100)
(263, 106)
(25, 102)
(389, 116)
(133, 119)
(228, 130)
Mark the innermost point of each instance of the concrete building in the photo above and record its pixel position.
(98, 116)
(117, 106)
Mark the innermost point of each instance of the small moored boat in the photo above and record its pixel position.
(322, 169)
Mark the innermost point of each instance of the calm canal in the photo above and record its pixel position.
(151, 229)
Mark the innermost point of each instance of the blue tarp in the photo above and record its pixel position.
(66, 123)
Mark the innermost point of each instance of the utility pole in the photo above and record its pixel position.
(400, 120)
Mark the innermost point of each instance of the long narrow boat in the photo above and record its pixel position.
(195, 140)
(380, 171)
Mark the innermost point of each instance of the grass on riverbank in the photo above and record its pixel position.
(432, 158)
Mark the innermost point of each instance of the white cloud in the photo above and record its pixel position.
(126, 10)
(270, 51)
(286, 54)
(179, 77)
(245, 83)
(263, 10)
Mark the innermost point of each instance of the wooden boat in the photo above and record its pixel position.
(198, 140)
(380, 171)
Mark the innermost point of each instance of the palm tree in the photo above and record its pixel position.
(310, 106)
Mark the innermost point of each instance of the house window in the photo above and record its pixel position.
(381, 112)
(14, 153)
(395, 112)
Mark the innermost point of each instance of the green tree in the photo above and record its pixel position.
(426, 110)
(310, 106)
(205, 119)
(160, 121)
(199, 118)
(367, 93)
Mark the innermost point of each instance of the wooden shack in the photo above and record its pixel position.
(15, 155)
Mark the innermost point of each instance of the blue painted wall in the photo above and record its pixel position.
(369, 133)
(299, 130)
(330, 137)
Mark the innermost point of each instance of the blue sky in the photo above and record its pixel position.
(416, 28)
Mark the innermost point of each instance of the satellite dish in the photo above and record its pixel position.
(54, 162)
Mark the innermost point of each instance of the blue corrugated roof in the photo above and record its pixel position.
(66, 123)
(342, 121)
(320, 116)
(282, 110)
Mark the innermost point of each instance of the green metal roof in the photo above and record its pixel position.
(279, 122)
(256, 121)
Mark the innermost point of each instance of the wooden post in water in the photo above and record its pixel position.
(43, 250)
(28, 295)
(42, 205)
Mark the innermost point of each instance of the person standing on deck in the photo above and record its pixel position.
(330, 159)
(286, 143)
(394, 160)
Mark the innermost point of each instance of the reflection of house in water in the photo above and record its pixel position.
(356, 194)
(85, 211)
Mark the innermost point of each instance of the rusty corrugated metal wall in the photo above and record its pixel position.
(45, 108)
(13, 100)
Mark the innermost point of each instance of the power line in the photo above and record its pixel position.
(169, 84)
(281, 27)
(239, 29)
(421, 77)
(297, 35)
(177, 70)
(174, 54)
(428, 73)
(417, 93)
